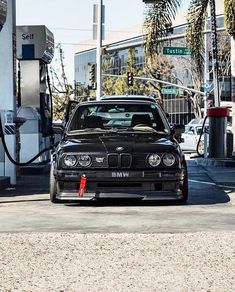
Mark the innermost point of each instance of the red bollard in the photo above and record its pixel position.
(217, 131)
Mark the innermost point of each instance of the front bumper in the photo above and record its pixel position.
(140, 184)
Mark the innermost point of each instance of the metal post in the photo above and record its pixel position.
(214, 53)
(217, 131)
(205, 98)
(205, 114)
(98, 51)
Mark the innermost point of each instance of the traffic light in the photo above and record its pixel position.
(92, 76)
(130, 78)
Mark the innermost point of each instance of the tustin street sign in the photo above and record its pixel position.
(176, 51)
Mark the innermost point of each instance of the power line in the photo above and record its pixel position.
(86, 29)
(74, 44)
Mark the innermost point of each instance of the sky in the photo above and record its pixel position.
(71, 20)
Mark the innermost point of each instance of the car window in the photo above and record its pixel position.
(106, 116)
(198, 130)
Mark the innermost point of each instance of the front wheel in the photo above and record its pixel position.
(53, 187)
(185, 186)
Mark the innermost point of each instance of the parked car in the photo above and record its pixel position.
(192, 134)
(118, 149)
(129, 97)
(190, 138)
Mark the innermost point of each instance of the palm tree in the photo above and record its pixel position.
(161, 13)
(159, 17)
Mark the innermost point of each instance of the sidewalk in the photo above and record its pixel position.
(221, 172)
(27, 173)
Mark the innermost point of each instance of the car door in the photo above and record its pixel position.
(190, 139)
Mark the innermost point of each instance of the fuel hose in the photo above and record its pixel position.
(200, 137)
(10, 157)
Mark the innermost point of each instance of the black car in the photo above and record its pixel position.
(119, 149)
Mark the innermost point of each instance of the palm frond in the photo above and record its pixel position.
(158, 20)
(229, 12)
(197, 15)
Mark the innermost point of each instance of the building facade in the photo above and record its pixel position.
(176, 102)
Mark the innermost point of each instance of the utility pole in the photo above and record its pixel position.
(98, 51)
(214, 48)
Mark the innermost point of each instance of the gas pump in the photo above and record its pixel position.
(7, 88)
(35, 50)
(3, 15)
(3, 12)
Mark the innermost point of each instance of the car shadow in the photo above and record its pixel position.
(202, 191)
(28, 185)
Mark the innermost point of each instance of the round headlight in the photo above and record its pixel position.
(84, 160)
(70, 160)
(168, 159)
(154, 160)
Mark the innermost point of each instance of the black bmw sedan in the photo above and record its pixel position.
(118, 149)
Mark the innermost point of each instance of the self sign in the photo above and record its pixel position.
(27, 36)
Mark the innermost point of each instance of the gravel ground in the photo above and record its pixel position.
(117, 262)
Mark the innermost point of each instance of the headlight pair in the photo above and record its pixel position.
(168, 159)
(83, 160)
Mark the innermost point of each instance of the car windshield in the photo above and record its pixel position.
(128, 116)
(196, 130)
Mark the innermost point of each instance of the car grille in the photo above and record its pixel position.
(122, 160)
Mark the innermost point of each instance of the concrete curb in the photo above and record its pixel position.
(4, 182)
(215, 162)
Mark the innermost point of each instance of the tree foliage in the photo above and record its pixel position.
(158, 20)
(197, 15)
(118, 85)
(62, 90)
(229, 11)
(159, 67)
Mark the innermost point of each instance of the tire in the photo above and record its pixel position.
(185, 186)
(201, 148)
(53, 187)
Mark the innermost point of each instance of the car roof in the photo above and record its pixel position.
(129, 97)
(120, 102)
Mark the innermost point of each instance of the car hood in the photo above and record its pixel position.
(116, 143)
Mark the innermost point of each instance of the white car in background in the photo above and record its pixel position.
(191, 137)
(192, 134)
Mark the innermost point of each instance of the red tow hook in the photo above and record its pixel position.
(82, 187)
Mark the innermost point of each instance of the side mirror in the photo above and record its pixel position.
(178, 129)
(58, 128)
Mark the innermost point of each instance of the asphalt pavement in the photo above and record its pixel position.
(47, 247)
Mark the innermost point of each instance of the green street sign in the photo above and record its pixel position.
(177, 51)
(169, 91)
